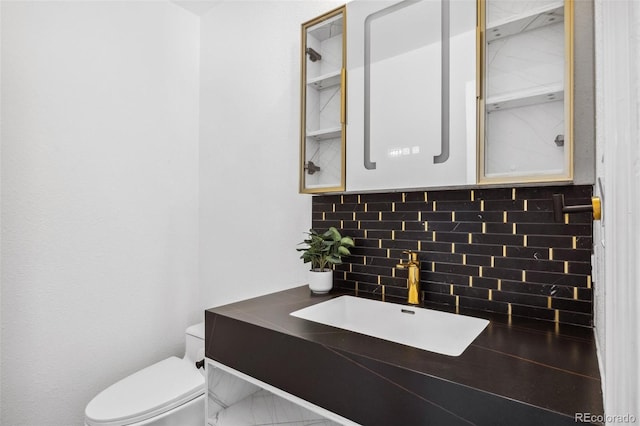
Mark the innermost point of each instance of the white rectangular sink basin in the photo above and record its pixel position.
(435, 331)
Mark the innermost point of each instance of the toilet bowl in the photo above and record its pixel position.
(168, 393)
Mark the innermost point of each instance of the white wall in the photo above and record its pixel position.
(617, 236)
(99, 198)
(0, 211)
(251, 215)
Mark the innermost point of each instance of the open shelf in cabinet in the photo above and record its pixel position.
(538, 95)
(321, 185)
(331, 27)
(324, 134)
(526, 21)
(325, 81)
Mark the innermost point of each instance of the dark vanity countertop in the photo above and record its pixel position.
(516, 372)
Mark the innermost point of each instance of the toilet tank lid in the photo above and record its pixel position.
(196, 330)
(146, 393)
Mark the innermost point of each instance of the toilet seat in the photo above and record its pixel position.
(146, 394)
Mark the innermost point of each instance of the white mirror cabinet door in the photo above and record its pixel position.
(411, 73)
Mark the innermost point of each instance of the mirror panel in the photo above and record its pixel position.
(412, 101)
(403, 83)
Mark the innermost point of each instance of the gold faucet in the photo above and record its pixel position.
(413, 280)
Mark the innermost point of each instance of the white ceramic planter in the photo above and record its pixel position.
(320, 282)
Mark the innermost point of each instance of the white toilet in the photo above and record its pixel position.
(168, 393)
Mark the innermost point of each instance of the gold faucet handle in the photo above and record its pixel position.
(413, 256)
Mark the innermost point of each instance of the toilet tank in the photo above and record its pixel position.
(194, 342)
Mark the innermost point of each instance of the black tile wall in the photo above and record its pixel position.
(491, 249)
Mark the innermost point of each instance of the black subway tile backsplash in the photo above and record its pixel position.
(480, 249)
(450, 206)
(572, 305)
(503, 274)
(581, 268)
(339, 215)
(545, 192)
(529, 264)
(578, 255)
(400, 244)
(574, 317)
(417, 206)
(546, 241)
(479, 260)
(491, 205)
(452, 268)
(496, 249)
(475, 292)
(528, 253)
(558, 278)
(498, 228)
(552, 229)
(499, 239)
(451, 237)
(349, 207)
(445, 278)
(533, 312)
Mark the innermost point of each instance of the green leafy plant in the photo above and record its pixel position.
(324, 249)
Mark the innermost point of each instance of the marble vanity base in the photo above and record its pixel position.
(237, 400)
(265, 408)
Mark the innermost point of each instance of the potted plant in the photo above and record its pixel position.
(324, 250)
